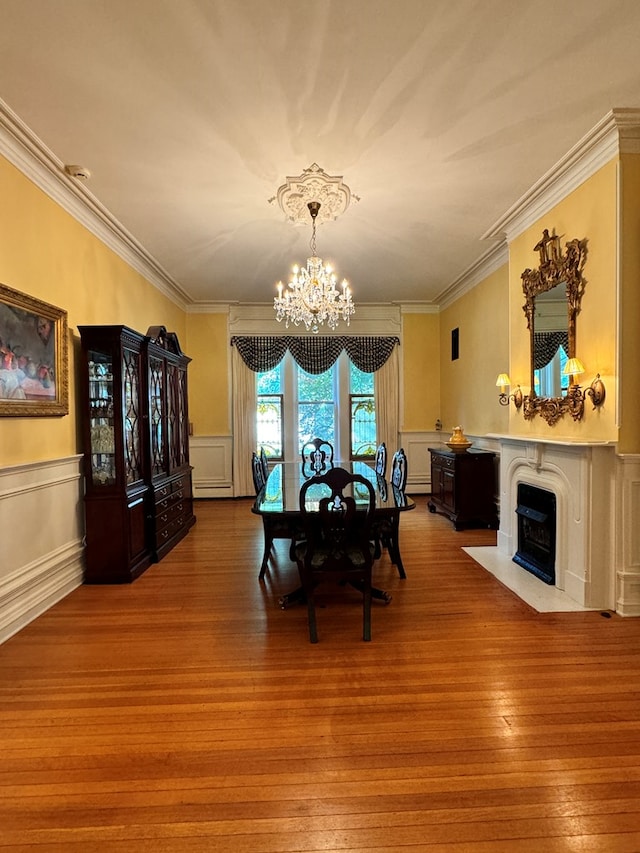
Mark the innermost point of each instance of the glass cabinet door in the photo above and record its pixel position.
(101, 418)
(132, 414)
(156, 415)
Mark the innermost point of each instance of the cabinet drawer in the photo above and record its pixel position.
(446, 462)
(178, 484)
(162, 492)
(162, 506)
(168, 514)
(173, 527)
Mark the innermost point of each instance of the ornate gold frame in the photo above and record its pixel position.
(24, 319)
(555, 268)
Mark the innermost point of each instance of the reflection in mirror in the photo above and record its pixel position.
(553, 292)
(551, 342)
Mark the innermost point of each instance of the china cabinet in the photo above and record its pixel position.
(171, 504)
(116, 490)
(463, 487)
(135, 432)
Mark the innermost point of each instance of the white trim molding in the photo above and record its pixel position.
(617, 133)
(42, 530)
(628, 535)
(212, 459)
(416, 445)
(490, 261)
(31, 156)
(260, 319)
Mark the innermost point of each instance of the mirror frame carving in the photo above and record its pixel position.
(555, 268)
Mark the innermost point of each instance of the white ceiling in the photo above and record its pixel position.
(439, 114)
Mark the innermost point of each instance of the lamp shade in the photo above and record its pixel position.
(574, 367)
(503, 380)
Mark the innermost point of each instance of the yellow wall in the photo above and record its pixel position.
(588, 212)
(629, 381)
(421, 371)
(47, 254)
(468, 385)
(209, 374)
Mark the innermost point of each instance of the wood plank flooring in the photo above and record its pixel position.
(187, 712)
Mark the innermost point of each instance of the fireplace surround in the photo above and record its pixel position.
(581, 476)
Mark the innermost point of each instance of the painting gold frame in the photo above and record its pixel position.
(34, 366)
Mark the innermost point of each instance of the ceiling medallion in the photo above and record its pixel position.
(315, 185)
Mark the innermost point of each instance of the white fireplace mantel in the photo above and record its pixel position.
(582, 476)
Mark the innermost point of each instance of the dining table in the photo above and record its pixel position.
(280, 497)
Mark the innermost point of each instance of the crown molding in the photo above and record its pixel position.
(259, 319)
(617, 133)
(209, 307)
(21, 147)
(419, 308)
(490, 261)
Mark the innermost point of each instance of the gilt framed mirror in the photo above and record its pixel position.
(553, 293)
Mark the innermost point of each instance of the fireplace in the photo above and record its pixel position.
(536, 512)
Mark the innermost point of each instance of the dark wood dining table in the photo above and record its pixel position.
(281, 497)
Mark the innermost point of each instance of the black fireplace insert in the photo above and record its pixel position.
(536, 513)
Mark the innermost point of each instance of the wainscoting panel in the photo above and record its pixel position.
(628, 535)
(416, 445)
(212, 460)
(41, 530)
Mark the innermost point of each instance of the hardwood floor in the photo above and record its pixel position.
(187, 712)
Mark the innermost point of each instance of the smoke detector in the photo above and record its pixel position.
(81, 173)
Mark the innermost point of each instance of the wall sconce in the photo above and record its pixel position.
(503, 382)
(596, 391)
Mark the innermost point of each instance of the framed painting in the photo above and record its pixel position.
(34, 367)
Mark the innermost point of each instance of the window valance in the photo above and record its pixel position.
(546, 345)
(317, 354)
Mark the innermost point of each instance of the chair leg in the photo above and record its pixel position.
(394, 548)
(268, 543)
(377, 545)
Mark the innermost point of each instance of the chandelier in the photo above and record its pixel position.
(311, 296)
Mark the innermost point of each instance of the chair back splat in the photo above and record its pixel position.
(387, 531)
(257, 470)
(337, 511)
(399, 470)
(265, 463)
(317, 456)
(381, 460)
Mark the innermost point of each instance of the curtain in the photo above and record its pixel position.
(244, 425)
(386, 384)
(546, 345)
(315, 354)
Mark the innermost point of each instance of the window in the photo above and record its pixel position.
(294, 406)
(552, 376)
(362, 419)
(270, 422)
(316, 406)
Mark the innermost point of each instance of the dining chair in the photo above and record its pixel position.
(273, 527)
(265, 463)
(337, 538)
(257, 471)
(317, 456)
(399, 470)
(387, 530)
(381, 460)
